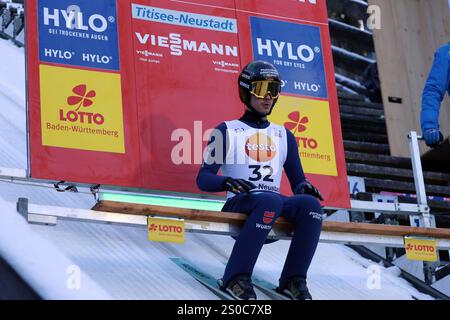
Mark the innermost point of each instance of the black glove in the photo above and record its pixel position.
(308, 188)
(432, 137)
(238, 185)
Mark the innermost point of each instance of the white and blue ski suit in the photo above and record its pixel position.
(265, 204)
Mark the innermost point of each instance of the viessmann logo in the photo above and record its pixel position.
(81, 98)
(297, 124)
(73, 18)
(178, 45)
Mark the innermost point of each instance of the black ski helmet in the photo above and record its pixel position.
(256, 71)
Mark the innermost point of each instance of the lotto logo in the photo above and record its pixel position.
(81, 98)
(81, 109)
(422, 248)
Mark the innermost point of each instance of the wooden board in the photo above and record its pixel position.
(411, 31)
(238, 218)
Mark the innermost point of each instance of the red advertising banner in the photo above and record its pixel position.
(125, 93)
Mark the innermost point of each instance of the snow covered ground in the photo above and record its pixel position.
(75, 260)
(123, 262)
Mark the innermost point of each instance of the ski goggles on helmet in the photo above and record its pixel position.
(262, 88)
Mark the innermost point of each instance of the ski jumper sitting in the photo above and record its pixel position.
(251, 153)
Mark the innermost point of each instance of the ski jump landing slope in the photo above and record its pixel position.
(118, 262)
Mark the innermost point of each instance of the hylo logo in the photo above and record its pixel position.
(260, 147)
(74, 19)
(297, 124)
(302, 52)
(82, 98)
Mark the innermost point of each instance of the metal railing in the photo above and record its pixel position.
(12, 21)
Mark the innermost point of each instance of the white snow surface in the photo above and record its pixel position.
(118, 262)
(39, 263)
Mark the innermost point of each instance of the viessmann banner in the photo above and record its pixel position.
(126, 93)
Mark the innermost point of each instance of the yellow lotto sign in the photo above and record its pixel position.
(81, 109)
(165, 230)
(420, 249)
(310, 122)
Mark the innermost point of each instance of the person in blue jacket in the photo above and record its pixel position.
(251, 153)
(437, 84)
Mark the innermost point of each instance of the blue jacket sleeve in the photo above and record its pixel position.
(293, 166)
(435, 87)
(207, 178)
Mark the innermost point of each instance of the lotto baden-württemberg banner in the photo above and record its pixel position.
(125, 92)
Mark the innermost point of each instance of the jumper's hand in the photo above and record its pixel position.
(308, 188)
(238, 185)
